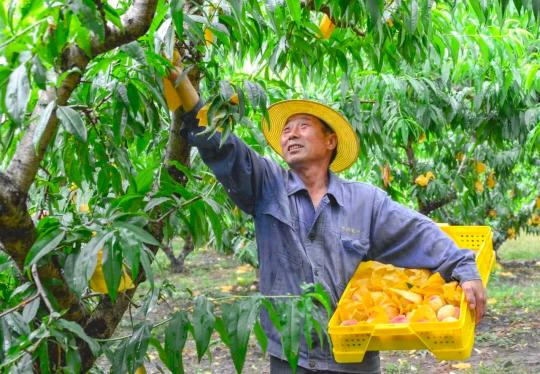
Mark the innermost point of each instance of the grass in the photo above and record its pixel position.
(525, 247)
(505, 291)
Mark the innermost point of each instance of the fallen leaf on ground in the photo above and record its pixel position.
(225, 288)
(492, 301)
(507, 274)
(462, 366)
(243, 269)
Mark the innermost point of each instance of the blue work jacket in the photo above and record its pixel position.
(299, 244)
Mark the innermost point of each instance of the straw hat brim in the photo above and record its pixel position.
(348, 146)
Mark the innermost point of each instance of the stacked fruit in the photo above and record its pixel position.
(382, 293)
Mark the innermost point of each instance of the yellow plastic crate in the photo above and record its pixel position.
(446, 340)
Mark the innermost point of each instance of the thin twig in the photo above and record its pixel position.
(185, 203)
(41, 290)
(232, 297)
(22, 32)
(107, 97)
(20, 305)
(92, 294)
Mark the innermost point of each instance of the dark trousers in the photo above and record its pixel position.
(278, 366)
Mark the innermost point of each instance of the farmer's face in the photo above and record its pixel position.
(304, 142)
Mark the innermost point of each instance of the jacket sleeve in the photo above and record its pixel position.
(240, 169)
(406, 238)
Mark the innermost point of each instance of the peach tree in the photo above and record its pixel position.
(443, 95)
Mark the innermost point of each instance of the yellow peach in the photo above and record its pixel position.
(447, 310)
(449, 319)
(435, 302)
(399, 319)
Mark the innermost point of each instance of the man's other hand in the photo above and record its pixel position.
(475, 294)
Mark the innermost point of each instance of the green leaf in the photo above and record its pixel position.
(30, 310)
(175, 339)
(130, 354)
(136, 52)
(295, 9)
(203, 324)
(147, 265)
(217, 228)
(290, 332)
(112, 268)
(43, 356)
(80, 267)
(374, 7)
(72, 122)
(17, 93)
(177, 15)
(531, 76)
(478, 8)
(77, 330)
(144, 180)
(261, 336)
(89, 16)
(43, 246)
(140, 233)
(39, 73)
(156, 202)
(44, 117)
(103, 180)
(112, 15)
(238, 321)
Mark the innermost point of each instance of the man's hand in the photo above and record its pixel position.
(475, 294)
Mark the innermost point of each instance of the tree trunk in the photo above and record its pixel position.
(177, 262)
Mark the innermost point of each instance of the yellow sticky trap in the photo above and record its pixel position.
(171, 96)
(97, 282)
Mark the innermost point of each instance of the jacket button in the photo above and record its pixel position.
(311, 236)
(312, 364)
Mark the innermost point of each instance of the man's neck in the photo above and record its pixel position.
(316, 181)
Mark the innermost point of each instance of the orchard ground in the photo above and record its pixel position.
(507, 339)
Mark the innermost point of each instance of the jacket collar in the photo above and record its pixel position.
(295, 184)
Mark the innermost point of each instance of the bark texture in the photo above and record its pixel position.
(17, 231)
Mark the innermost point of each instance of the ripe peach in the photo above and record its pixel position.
(435, 302)
(447, 310)
(449, 319)
(399, 319)
(348, 322)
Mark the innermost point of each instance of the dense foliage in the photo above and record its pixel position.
(444, 97)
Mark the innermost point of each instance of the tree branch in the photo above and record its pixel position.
(41, 290)
(25, 163)
(20, 305)
(341, 24)
(430, 207)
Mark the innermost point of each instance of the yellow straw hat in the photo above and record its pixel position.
(347, 144)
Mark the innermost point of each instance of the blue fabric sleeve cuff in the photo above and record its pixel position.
(190, 120)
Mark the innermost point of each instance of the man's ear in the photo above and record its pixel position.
(332, 141)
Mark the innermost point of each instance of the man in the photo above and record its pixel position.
(313, 227)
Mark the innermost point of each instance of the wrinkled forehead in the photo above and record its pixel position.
(302, 117)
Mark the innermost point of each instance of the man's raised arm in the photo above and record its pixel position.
(240, 169)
